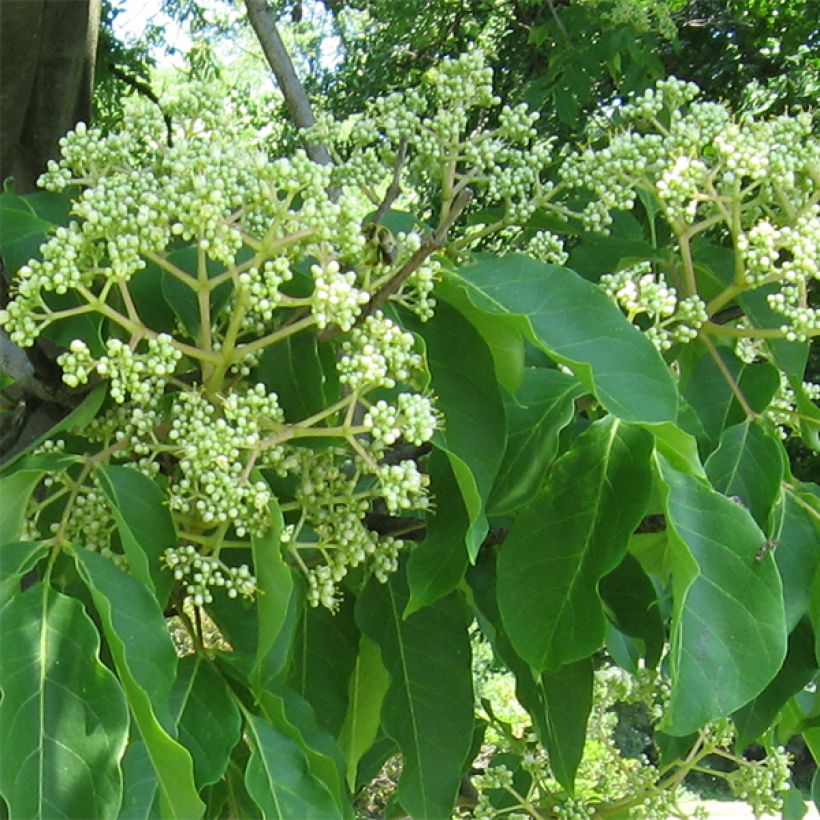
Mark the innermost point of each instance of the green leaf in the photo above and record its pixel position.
(15, 561)
(574, 322)
(292, 716)
(278, 779)
(292, 368)
(678, 447)
(145, 525)
(63, 717)
(324, 655)
(76, 420)
(728, 628)
(798, 551)
(475, 430)
(140, 792)
(21, 233)
(574, 533)
(501, 333)
(16, 490)
(275, 581)
(748, 463)
(146, 663)
(798, 669)
(209, 721)
(541, 409)
(632, 606)
(367, 688)
(428, 709)
(567, 696)
(558, 702)
(711, 396)
(437, 564)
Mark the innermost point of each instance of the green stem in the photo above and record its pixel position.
(272, 338)
(170, 267)
(730, 379)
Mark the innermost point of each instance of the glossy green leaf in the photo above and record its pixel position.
(798, 669)
(146, 663)
(15, 561)
(437, 564)
(140, 795)
(501, 333)
(798, 549)
(567, 696)
(63, 716)
(542, 408)
(559, 702)
(277, 777)
(323, 657)
(428, 709)
(145, 525)
(15, 492)
(632, 605)
(367, 688)
(475, 429)
(21, 233)
(576, 324)
(678, 447)
(711, 396)
(748, 464)
(275, 581)
(572, 535)
(293, 716)
(207, 716)
(293, 370)
(728, 630)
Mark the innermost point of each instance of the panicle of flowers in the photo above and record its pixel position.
(639, 291)
(200, 574)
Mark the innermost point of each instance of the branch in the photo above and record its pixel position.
(277, 56)
(395, 186)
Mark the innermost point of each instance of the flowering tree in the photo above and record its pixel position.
(353, 427)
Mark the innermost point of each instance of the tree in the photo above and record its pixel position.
(359, 442)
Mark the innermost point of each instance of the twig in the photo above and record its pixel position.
(296, 98)
(395, 186)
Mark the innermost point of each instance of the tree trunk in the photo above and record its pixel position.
(47, 51)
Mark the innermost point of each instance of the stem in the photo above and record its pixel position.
(730, 379)
(170, 267)
(744, 332)
(277, 336)
(690, 286)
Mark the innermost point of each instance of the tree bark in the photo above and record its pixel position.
(47, 51)
(292, 89)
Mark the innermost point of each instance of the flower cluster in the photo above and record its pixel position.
(200, 573)
(639, 291)
(761, 783)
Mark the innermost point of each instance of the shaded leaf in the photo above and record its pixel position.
(575, 532)
(576, 324)
(144, 523)
(475, 429)
(207, 716)
(278, 779)
(15, 561)
(437, 564)
(63, 716)
(428, 709)
(748, 463)
(798, 669)
(367, 687)
(146, 663)
(728, 628)
(542, 408)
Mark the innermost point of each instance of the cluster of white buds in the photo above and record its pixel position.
(336, 299)
(762, 783)
(403, 487)
(138, 377)
(412, 418)
(201, 573)
(548, 247)
(639, 291)
(378, 354)
(212, 443)
(262, 285)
